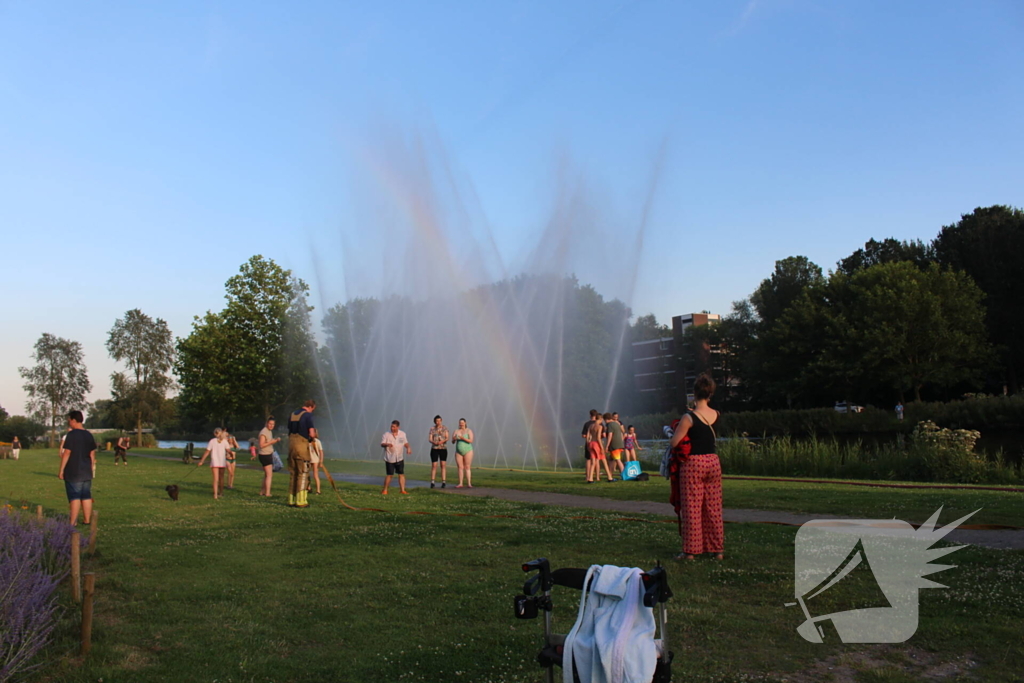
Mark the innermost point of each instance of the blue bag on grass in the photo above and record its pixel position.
(278, 465)
(632, 470)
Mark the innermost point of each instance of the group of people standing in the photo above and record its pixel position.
(604, 438)
(221, 451)
(305, 453)
(396, 446)
(694, 470)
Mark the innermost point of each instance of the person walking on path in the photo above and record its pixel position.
(899, 411)
(697, 480)
(265, 453)
(15, 448)
(438, 451)
(394, 443)
(217, 451)
(124, 442)
(301, 432)
(463, 440)
(316, 459)
(77, 467)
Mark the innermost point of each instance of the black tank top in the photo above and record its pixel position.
(702, 436)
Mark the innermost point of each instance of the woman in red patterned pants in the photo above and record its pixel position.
(697, 477)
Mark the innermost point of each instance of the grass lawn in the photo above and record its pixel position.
(247, 589)
(912, 505)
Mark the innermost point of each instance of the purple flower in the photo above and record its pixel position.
(35, 556)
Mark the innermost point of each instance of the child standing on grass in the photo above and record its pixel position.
(631, 443)
(232, 445)
(217, 451)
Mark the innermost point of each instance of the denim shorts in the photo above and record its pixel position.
(78, 490)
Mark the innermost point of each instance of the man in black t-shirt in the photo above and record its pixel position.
(77, 463)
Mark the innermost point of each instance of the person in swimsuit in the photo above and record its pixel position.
(463, 440)
(631, 443)
(232, 445)
(586, 450)
(595, 446)
(697, 486)
(265, 453)
(217, 450)
(438, 436)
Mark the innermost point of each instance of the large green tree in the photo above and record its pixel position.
(25, 428)
(57, 383)
(255, 356)
(146, 347)
(889, 250)
(891, 325)
(775, 294)
(988, 245)
(647, 328)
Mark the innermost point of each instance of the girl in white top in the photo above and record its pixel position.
(217, 449)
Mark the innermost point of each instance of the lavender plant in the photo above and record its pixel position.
(34, 558)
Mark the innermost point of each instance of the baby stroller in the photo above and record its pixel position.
(536, 596)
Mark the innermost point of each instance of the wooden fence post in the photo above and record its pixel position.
(76, 566)
(39, 511)
(90, 589)
(92, 533)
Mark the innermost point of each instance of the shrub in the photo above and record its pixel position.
(948, 454)
(34, 557)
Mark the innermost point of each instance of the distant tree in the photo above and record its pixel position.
(3, 414)
(57, 383)
(791, 277)
(26, 429)
(892, 325)
(256, 355)
(889, 250)
(99, 414)
(988, 245)
(146, 346)
(647, 328)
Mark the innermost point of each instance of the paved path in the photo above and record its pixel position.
(1003, 539)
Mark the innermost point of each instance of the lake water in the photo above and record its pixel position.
(179, 445)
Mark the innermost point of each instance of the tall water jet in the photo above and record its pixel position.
(437, 320)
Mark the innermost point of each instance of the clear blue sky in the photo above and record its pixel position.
(171, 141)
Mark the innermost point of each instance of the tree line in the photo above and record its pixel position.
(893, 321)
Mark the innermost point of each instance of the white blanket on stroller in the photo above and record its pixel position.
(612, 640)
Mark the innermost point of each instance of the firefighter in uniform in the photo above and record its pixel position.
(300, 433)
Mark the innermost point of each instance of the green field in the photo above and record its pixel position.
(914, 505)
(247, 589)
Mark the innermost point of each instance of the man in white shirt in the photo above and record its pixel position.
(394, 443)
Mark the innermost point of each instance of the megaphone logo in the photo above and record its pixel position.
(862, 577)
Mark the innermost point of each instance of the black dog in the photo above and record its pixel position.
(172, 491)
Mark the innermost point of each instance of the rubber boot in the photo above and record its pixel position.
(291, 500)
(301, 499)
